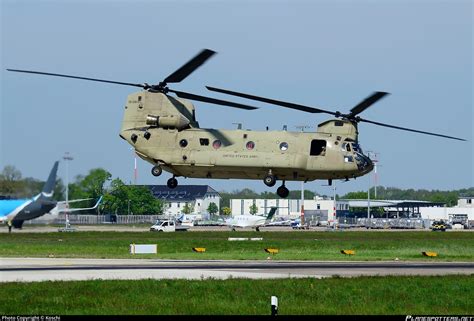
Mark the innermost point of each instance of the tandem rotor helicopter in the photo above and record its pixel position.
(164, 132)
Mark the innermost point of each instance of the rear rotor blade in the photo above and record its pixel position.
(273, 101)
(408, 129)
(186, 95)
(367, 102)
(189, 67)
(82, 78)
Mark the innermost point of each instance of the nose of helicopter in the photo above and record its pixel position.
(364, 163)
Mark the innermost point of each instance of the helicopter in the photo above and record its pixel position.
(164, 131)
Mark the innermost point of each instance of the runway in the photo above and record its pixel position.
(52, 269)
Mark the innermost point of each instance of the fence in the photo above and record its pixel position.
(98, 219)
(395, 223)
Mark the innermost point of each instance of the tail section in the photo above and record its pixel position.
(271, 213)
(48, 187)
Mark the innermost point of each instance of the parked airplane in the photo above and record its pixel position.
(253, 221)
(17, 211)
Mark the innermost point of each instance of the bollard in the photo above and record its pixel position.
(274, 303)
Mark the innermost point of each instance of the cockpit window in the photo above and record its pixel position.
(346, 147)
(348, 159)
(356, 148)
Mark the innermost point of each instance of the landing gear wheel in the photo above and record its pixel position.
(156, 170)
(172, 183)
(270, 180)
(257, 229)
(283, 192)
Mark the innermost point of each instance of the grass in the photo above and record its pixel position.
(295, 245)
(431, 295)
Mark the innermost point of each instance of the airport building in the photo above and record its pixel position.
(198, 197)
(462, 212)
(319, 209)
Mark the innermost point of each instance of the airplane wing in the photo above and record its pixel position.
(76, 200)
(63, 210)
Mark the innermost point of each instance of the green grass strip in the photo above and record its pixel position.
(446, 295)
(293, 245)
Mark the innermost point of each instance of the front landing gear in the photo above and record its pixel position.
(172, 183)
(270, 180)
(156, 170)
(282, 191)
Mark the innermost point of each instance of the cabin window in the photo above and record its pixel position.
(338, 123)
(284, 146)
(217, 144)
(183, 143)
(318, 147)
(204, 141)
(250, 145)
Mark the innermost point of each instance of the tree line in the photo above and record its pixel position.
(120, 198)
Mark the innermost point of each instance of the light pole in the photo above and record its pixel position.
(135, 170)
(67, 157)
(302, 203)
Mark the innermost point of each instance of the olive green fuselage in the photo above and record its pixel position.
(172, 139)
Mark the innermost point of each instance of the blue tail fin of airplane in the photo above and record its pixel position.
(48, 187)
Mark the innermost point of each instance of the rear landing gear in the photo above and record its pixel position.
(156, 170)
(282, 191)
(172, 183)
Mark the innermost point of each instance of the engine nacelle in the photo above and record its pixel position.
(174, 121)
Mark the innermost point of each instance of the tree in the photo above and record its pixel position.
(212, 208)
(130, 199)
(90, 186)
(10, 181)
(253, 209)
(226, 211)
(187, 208)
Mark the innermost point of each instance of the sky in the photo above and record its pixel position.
(326, 54)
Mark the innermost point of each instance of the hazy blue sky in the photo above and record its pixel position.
(328, 54)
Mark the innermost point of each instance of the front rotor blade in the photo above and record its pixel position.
(186, 95)
(76, 77)
(408, 129)
(273, 101)
(189, 67)
(367, 102)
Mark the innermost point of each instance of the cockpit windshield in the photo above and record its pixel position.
(356, 148)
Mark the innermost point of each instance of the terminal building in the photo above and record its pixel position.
(326, 210)
(197, 197)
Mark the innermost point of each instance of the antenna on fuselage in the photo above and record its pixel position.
(302, 127)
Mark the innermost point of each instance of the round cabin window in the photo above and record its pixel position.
(284, 146)
(250, 145)
(183, 143)
(217, 144)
